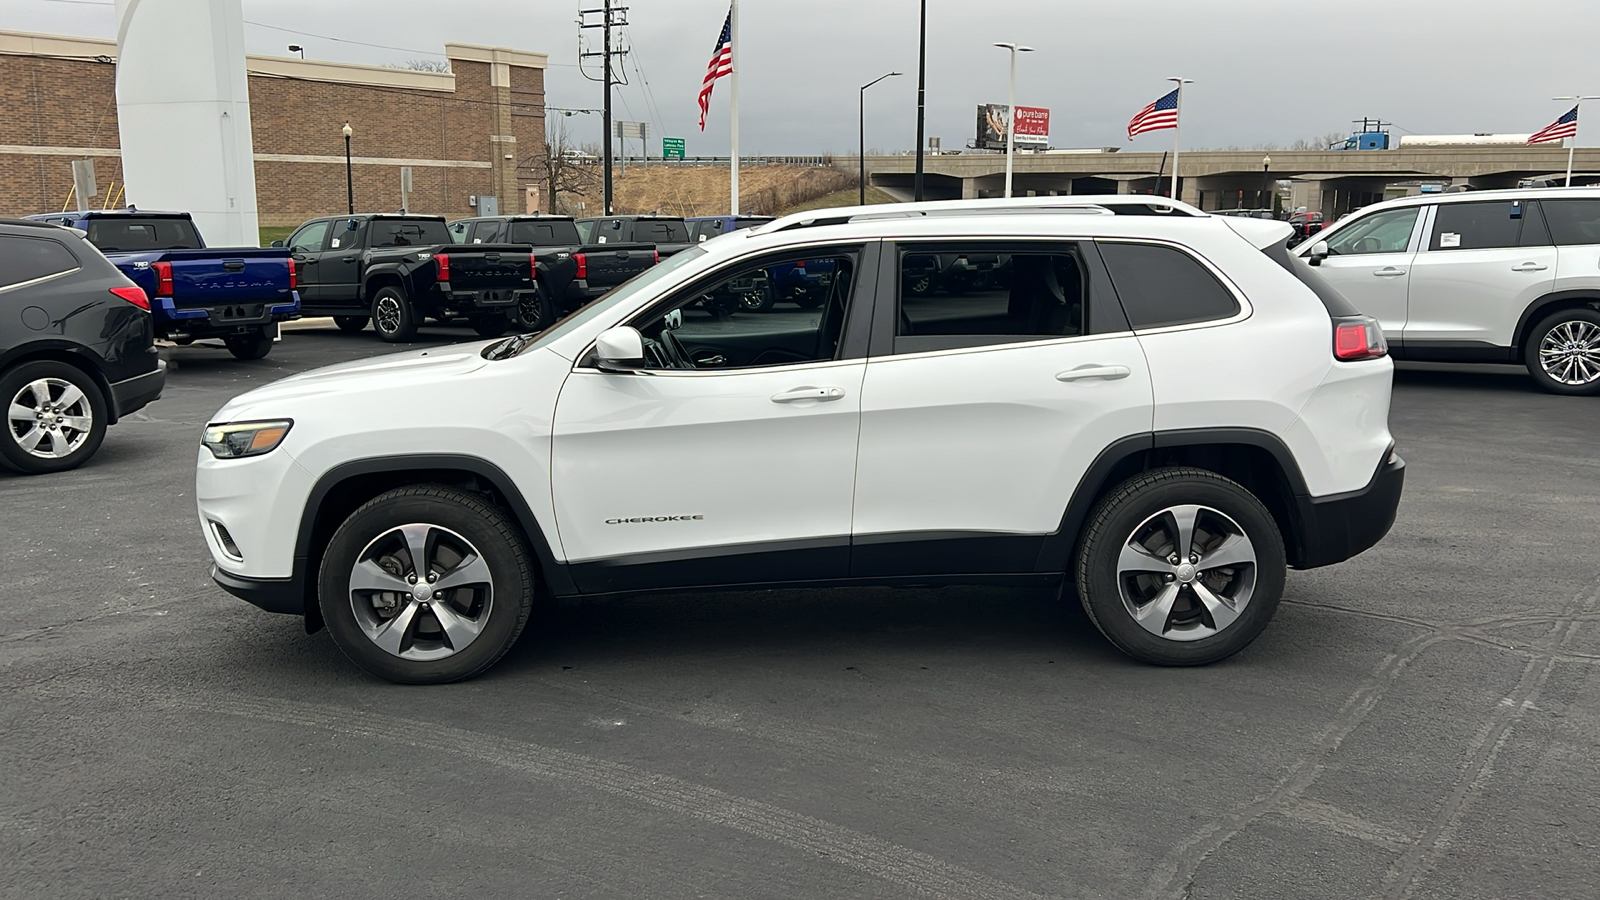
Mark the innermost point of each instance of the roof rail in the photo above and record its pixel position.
(1093, 204)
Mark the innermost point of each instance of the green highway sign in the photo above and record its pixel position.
(672, 147)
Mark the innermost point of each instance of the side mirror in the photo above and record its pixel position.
(277, 243)
(1319, 252)
(351, 225)
(620, 349)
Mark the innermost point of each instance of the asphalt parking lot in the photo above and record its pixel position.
(1419, 722)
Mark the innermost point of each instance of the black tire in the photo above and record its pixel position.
(1137, 506)
(919, 286)
(393, 317)
(810, 297)
(759, 300)
(76, 444)
(255, 345)
(351, 324)
(1571, 364)
(535, 311)
(452, 515)
(492, 326)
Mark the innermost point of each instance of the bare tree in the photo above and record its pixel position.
(1330, 139)
(565, 168)
(424, 65)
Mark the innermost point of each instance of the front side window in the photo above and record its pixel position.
(486, 232)
(1162, 286)
(1486, 225)
(779, 311)
(1384, 232)
(954, 297)
(1573, 222)
(28, 259)
(309, 238)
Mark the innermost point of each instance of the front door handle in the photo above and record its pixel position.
(809, 393)
(1529, 267)
(347, 259)
(1389, 272)
(1109, 373)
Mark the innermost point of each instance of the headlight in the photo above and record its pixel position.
(235, 439)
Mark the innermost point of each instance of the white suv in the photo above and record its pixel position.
(1150, 403)
(1484, 276)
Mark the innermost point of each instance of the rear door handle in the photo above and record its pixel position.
(809, 393)
(1389, 272)
(1529, 267)
(347, 259)
(1109, 373)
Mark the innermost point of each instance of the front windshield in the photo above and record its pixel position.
(618, 295)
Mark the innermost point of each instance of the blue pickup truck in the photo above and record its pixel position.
(238, 294)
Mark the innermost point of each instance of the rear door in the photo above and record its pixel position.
(1575, 228)
(340, 266)
(1369, 262)
(305, 246)
(1484, 263)
(981, 411)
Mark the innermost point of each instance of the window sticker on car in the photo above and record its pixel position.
(1449, 239)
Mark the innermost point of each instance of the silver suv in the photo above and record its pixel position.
(1487, 276)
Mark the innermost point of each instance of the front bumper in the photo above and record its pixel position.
(131, 394)
(278, 595)
(1335, 528)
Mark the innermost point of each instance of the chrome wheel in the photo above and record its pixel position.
(1186, 573)
(50, 418)
(386, 314)
(421, 592)
(1570, 353)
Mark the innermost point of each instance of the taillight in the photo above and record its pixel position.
(533, 264)
(657, 259)
(133, 294)
(163, 272)
(1358, 337)
(443, 259)
(583, 265)
(294, 280)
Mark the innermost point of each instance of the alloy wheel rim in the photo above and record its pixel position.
(1570, 353)
(388, 315)
(50, 418)
(1186, 573)
(421, 592)
(528, 309)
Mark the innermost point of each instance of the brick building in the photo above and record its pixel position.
(475, 131)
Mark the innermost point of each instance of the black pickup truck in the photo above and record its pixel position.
(670, 234)
(569, 272)
(399, 269)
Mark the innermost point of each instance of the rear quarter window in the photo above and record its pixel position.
(1162, 286)
(28, 259)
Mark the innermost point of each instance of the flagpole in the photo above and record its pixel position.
(1577, 107)
(1177, 131)
(733, 99)
(1571, 146)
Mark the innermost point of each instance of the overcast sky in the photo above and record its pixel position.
(1265, 70)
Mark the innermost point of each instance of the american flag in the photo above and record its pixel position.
(721, 64)
(1560, 129)
(1161, 114)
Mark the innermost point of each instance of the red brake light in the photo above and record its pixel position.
(657, 257)
(133, 294)
(583, 265)
(1358, 338)
(533, 264)
(443, 259)
(294, 280)
(163, 272)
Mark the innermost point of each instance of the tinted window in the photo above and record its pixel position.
(660, 232)
(1384, 232)
(486, 232)
(346, 234)
(558, 233)
(586, 232)
(1573, 222)
(309, 238)
(705, 231)
(26, 258)
(458, 232)
(407, 233)
(985, 295)
(1162, 286)
(111, 234)
(1476, 226)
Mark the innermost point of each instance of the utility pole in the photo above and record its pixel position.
(611, 16)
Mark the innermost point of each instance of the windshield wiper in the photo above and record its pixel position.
(511, 346)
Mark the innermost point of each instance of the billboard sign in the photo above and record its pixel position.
(1033, 126)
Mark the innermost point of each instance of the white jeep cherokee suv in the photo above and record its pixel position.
(1484, 276)
(1157, 406)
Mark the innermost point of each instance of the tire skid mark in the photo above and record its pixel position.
(910, 869)
(1338, 820)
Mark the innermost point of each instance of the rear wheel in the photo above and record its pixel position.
(535, 312)
(55, 417)
(1563, 352)
(350, 324)
(254, 345)
(393, 318)
(1180, 567)
(426, 585)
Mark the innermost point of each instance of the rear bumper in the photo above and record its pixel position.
(1335, 528)
(131, 394)
(278, 595)
(221, 319)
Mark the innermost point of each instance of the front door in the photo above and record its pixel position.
(305, 246)
(341, 265)
(1484, 264)
(730, 458)
(1369, 262)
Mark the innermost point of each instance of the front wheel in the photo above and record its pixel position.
(255, 345)
(426, 585)
(1563, 353)
(393, 318)
(1180, 567)
(56, 417)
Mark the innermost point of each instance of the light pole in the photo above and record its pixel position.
(1011, 110)
(1577, 99)
(296, 48)
(862, 157)
(349, 180)
(922, 90)
(1266, 177)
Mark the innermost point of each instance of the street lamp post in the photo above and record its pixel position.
(1577, 99)
(1011, 109)
(296, 48)
(1266, 177)
(922, 88)
(862, 156)
(349, 180)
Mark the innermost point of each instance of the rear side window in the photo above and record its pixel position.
(1161, 286)
(392, 233)
(1477, 226)
(545, 234)
(458, 232)
(486, 232)
(1573, 222)
(661, 232)
(112, 234)
(26, 259)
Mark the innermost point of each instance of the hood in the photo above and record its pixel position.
(390, 374)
